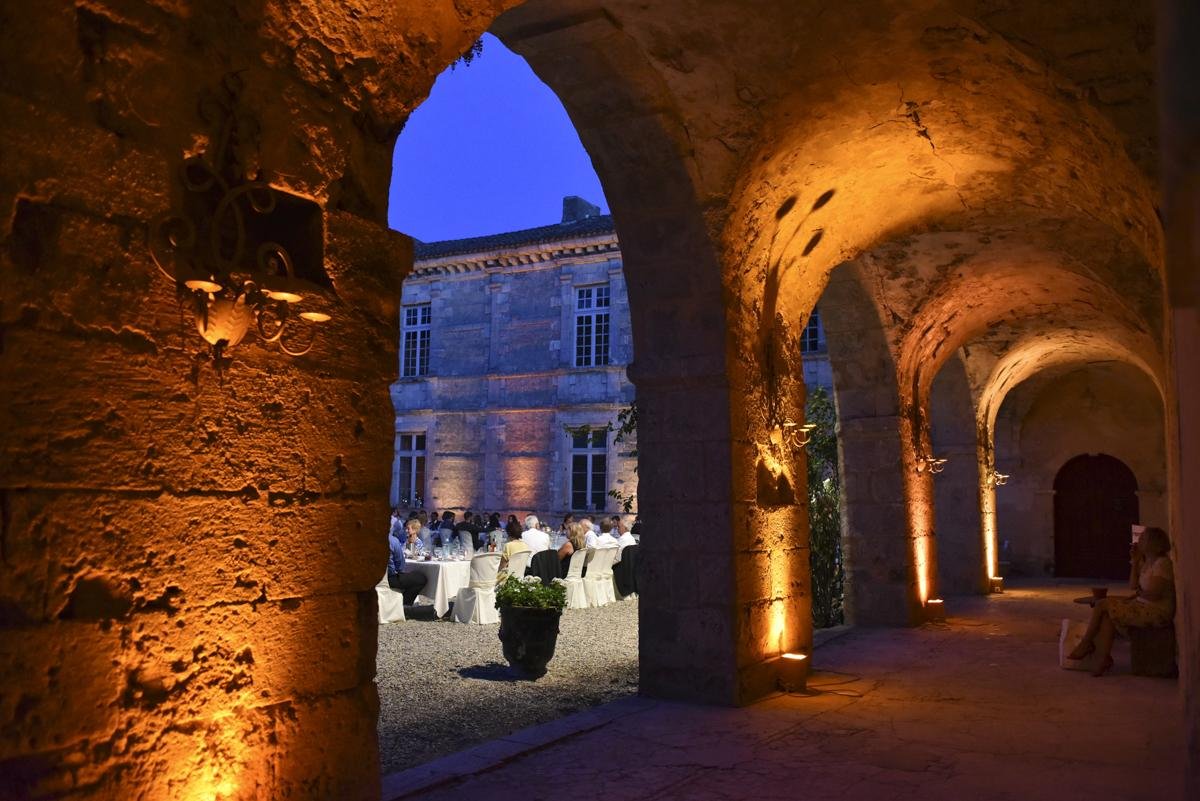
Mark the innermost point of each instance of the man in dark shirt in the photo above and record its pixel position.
(408, 584)
(446, 532)
(468, 530)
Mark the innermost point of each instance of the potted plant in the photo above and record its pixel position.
(529, 614)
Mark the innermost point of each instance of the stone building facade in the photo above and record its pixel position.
(513, 351)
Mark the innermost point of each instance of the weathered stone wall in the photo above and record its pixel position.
(178, 550)
(1179, 25)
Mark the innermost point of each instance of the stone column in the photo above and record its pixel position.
(881, 585)
(723, 584)
(961, 567)
(1179, 63)
(180, 548)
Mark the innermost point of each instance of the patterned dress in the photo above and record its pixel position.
(1142, 612)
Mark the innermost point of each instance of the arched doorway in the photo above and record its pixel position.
(1095, 503)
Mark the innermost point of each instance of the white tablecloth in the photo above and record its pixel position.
(443, 581)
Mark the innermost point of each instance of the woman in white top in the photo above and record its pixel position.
(1152, 604)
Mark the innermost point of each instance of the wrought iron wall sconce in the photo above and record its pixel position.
(225, 250)
(793, 434)
(998, 479)
(930, 464)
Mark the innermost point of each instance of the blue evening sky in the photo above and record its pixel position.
(491, 150)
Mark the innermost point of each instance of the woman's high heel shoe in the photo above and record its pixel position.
(1081, 651)
(1103, 667)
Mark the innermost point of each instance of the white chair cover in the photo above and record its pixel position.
(468, 543)
(597, 584)
(476, 603)
(576, 594)
(391, 603)
(518, 563)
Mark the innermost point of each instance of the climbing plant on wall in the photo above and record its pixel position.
(627, 421)
(824, 517)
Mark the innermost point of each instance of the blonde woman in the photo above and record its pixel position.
(1152, 604)
(576, 541)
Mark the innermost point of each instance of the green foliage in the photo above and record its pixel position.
(530, 593)
(824, 514)
(473, 52)
(627, 422)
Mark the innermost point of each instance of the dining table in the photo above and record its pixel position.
(443, 579)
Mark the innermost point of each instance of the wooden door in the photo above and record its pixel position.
(1095, 503)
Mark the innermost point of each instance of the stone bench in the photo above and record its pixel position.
(1152, 651)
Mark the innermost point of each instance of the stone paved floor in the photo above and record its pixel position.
(973, 709)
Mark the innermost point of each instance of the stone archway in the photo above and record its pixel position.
(155, 519)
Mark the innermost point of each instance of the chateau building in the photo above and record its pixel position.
(513, 350)
(507, 402)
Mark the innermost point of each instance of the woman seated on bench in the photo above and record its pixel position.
(1152, 604)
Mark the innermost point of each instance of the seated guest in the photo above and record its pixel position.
(514, 545)
(493, 522)
(534, 537)
(467, 532)
(446, 532)
(576, 541)
(408, 584)
(512, 529)
(1152, 604)
(564, 528)
(605, 538)
(636, 529)
(426, 535)
(624, 541)
(590, 528)
(618, 528)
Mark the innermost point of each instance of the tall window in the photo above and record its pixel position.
(589, 470)
(812, 337)
(591, 326)
(414, 352)
(410, 454)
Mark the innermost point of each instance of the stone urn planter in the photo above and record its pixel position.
(528, 637)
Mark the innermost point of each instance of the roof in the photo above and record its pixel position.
(589, 226)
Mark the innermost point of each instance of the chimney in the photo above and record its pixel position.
(576, 208)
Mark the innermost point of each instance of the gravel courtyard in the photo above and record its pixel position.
(445, 686)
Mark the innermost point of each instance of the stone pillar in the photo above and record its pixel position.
(1179, 63)
(179, 548)
(881, 585)
(723, 582)
(961, 567)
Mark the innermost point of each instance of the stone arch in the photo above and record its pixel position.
(896, 159)
(1045, 352)
(1108, 407)
(625, 117)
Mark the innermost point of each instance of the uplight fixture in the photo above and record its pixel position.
(793, 672)
(935, 609)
